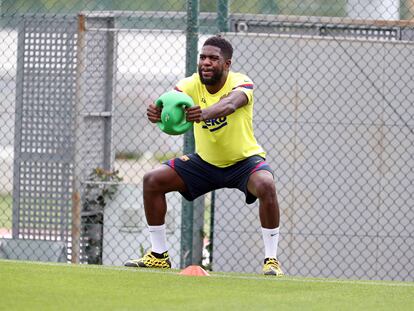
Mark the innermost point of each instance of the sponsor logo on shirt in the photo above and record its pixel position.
(215, 124)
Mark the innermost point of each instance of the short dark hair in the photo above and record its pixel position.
(224, 45)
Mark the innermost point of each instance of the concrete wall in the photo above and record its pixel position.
(336, 119)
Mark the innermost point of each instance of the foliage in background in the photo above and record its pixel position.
(334, 8)
(6, 211)
(285, 7)
(101, 187)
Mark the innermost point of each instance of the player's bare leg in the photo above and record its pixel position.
(157, 183)
(262, 185)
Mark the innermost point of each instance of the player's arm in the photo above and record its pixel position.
(227, 105)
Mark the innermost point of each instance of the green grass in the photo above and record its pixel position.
(38, 286)
(6, 211)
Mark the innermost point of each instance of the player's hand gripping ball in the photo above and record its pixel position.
(173, 118)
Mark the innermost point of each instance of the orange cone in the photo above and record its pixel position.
(194, 270)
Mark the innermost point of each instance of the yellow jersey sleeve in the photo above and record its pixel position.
(244, 84)
(188, 86)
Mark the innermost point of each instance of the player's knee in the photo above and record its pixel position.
(265, 188)
(152, 181)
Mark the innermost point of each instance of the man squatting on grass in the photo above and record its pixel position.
(227, 154)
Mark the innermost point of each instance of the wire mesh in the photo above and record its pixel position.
(333, 109)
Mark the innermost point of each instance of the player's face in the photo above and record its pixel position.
(211, 65)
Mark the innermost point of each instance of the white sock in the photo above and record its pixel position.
(271, 240)
(158, 238)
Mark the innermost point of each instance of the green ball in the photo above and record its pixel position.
(173, 118)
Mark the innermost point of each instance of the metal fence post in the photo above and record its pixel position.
(223, 15)
(76, 185)
(93, 128)
(190, 67)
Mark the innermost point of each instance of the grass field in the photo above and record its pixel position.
(42, 286)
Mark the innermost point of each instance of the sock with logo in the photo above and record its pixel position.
(271, 240)
(158, 239)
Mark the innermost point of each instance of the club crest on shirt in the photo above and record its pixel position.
(184, 158)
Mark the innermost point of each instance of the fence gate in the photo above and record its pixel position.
(61, 119)
(43, 127)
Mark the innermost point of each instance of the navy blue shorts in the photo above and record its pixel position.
(201, 177)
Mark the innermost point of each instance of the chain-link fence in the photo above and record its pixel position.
(333, 109)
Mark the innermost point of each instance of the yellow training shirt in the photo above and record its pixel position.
(227, 140)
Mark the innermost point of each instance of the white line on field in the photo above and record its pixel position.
(230, 276)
